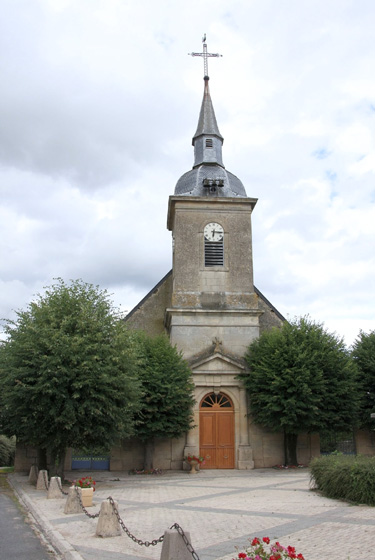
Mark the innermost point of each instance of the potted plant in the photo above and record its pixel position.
(87, 485)
(194, 461)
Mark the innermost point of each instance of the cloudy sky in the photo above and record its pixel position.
(99, 101)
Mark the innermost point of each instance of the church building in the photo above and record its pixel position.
(211, 310)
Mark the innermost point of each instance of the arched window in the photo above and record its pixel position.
(216, 400)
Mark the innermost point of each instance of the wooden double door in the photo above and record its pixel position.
(216, 432)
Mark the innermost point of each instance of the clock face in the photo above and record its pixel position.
(213, 232)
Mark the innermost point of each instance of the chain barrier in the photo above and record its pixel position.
(91, 515)
(60, 487)
(132, 537)
(155, 541)
(186, 540)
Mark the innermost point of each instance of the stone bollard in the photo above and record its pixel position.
(42, 481)
(108, 525)
(174, 547)
(33, 474)
(72, 504)
(54, 488)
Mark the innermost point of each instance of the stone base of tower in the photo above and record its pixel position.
(245, 457)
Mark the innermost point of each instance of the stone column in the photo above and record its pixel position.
(245, 452)
(192, 440)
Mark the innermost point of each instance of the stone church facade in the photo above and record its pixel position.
(211, 310)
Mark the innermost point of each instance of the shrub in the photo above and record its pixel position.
(350, 478)
(7, 451)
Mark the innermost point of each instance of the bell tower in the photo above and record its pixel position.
(213, 314)
(210, 219)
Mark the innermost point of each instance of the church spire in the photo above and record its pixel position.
(208, 176)
(207, 123)
(207, 140)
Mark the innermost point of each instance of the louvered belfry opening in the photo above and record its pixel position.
(213, 253)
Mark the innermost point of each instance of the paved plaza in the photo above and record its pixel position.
(222, 510)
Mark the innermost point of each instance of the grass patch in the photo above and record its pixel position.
(349, 478)
(6, 469)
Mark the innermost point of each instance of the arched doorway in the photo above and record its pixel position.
(216, 431)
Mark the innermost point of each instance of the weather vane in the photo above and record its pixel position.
(205, 55)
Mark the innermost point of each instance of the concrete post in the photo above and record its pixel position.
(72, 504)
(33, 474)
(108, 525)
(54, 491)
(42, 482)
(174, 547)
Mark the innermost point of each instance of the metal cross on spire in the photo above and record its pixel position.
(205, 55)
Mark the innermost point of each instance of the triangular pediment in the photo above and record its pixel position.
(217, 362)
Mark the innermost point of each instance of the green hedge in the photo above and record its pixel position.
(350, 478)
(7, 451)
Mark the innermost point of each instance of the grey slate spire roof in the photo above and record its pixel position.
(208, 176)
(207, 123)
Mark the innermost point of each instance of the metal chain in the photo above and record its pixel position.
(132, 537)
(45, 480)
(186, 540)
(60, 487)
(126, 530)
(155, 541)
(91, 515)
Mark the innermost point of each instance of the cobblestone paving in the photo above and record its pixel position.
(222, 510)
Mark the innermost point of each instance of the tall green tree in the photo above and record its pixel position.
(167, 402)
(301, 379)
(363, 353)
(68, 372)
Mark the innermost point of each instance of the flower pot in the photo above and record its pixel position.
(193, 464)
(87, 495)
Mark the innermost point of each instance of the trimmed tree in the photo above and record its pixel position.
(301, 379)
(363, 353)
(167, 402)
(68, 372)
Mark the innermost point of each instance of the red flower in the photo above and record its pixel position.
(300, 557)
(255, 542)
(266, 540)
(241, 555)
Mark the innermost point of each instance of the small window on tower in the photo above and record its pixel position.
(213, 244)
(213, 253)
(209, 143)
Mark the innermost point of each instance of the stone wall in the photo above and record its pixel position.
(148, 315)
(365, 442)
(168, 455)
(268, 447)
(27, 456)
(270, 316)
